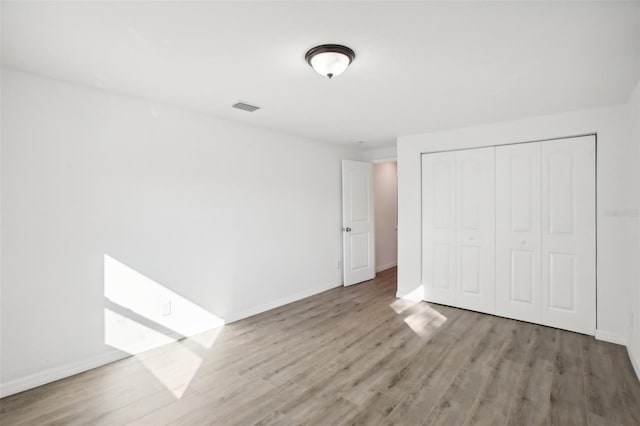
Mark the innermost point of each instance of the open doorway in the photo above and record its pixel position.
(369, 219)
(385, 186)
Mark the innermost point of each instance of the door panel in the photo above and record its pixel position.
(442, 266)
(560, 191)
(359, 250)
(562, 281)
(358, 185)
(438, 227)
(568, 234)
(443, 195)
(521, 278)
(468, 189)
(470, 269)
(358, 222)
(459, 228)
(518, 231)
(475, 260)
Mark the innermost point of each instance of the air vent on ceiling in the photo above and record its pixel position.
(245, 107)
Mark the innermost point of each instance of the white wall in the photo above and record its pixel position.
(385, 192)
(233, 219)
(634, 299)
(377, 154)
(617, 191)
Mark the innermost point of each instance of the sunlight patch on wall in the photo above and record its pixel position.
(134, 291)
(174, 366)
(130, 336)
(142, 316)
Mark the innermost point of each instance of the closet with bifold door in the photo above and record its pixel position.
(510, 230)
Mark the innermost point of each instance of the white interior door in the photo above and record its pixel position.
(568, 234)
(518, 231)
(439, 227)
(475, 235)
(358, 222)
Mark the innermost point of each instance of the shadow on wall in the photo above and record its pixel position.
(141, 315)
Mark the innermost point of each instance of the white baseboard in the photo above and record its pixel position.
(255, 310)
(611, 337)
(60, 372)
(64, 371)
(385, 267)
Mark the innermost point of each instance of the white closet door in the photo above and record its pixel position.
(475, 248)
(568, 234)
(518, 231)
(438, 227)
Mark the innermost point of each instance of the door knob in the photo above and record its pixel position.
(347, 229)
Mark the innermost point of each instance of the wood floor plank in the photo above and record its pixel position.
(417, 403)
(568, 398)
(626, 383)
(392, 366)
(492, 404)
(372, 411)
(604, 404)
(353, 356)
(456, 403)
(459, 323)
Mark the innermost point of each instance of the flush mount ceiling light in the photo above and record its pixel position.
(330, 60)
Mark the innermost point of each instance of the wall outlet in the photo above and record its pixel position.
(166, 309)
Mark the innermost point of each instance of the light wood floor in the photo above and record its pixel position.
(353, 355)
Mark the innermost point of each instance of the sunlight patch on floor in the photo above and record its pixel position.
(175, 368)
(424, 326)
(401, 305)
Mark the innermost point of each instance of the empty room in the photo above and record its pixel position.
(320, 213)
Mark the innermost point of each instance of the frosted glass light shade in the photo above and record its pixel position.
(330, 64)
(330, 60)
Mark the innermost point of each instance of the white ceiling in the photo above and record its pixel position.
(420, 66)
